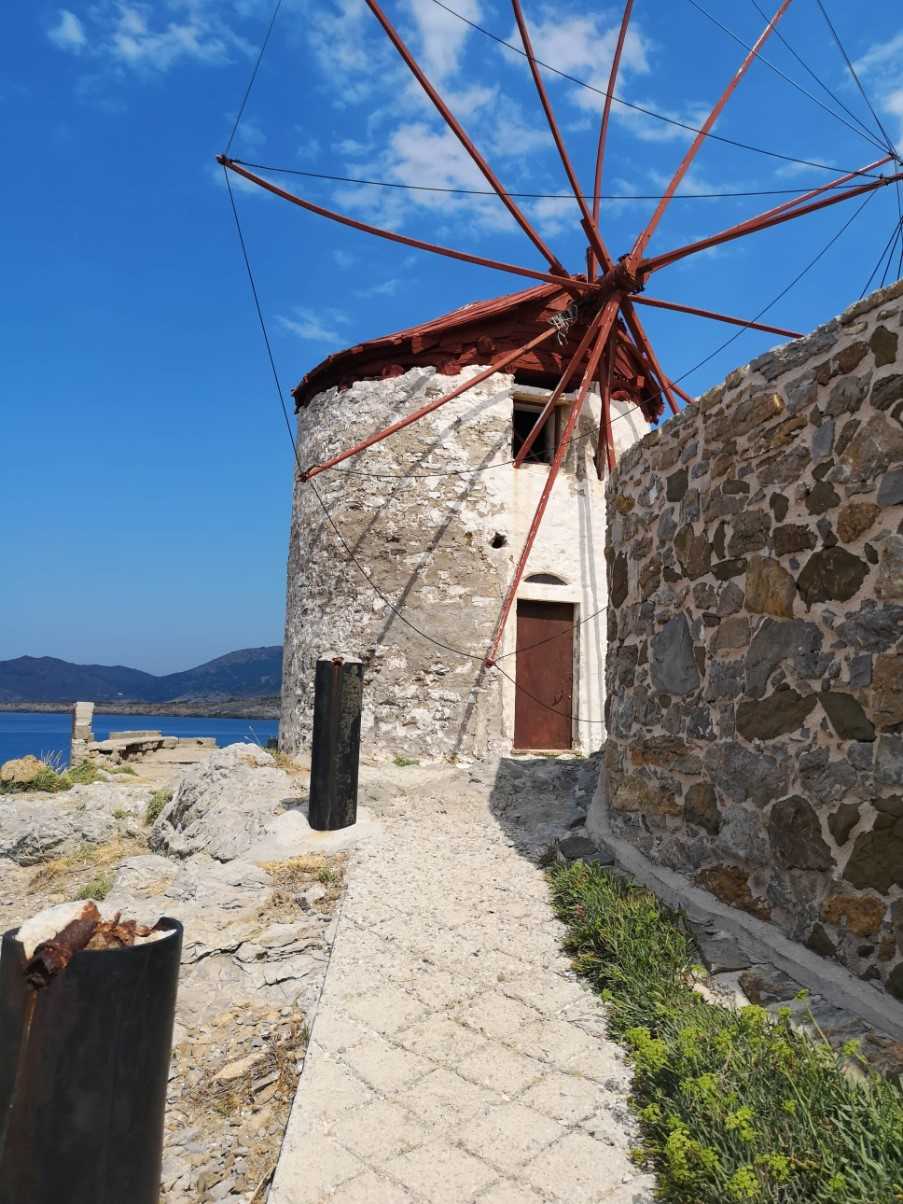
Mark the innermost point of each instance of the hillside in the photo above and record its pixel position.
(248, 673)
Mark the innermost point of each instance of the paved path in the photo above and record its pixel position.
(454, 1056)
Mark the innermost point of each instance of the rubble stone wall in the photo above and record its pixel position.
(755, 641)
(435, 516)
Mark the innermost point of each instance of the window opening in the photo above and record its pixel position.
(543, 450)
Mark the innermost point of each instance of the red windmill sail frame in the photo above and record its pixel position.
(608, 301)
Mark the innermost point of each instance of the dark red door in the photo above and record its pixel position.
(545, 675)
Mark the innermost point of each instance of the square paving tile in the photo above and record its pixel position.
(444, 1098)
(329, 1089)
(387, 1010)
(379, 1131)
(385, 1066)
(504, 1070)
(507, 1191)
(317, 1170)
(509, 1135)
(496, 1015)
(441, 1173)
(579, 1168)
(569, 1098)
(440, 1038)
(370, 1188)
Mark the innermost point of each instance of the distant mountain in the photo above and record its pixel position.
(249, 673)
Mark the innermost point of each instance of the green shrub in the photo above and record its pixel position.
(98, 888)
(734, 1106)
(404, 762)
(155, 805)
(83, 774)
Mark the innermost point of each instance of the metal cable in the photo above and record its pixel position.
(244, 99)
(886, 251)
(840, 46)
(536, 196)
(683, 125)
(777, 70)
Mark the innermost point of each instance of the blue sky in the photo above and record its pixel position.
(146, 472)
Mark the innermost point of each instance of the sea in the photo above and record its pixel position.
(43, 734)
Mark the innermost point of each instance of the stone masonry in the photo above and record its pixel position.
(436, 517)
(755, 641)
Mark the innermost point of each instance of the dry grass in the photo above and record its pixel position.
(293, 875)
(64, 876)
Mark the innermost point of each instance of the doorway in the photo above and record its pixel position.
(544, 672)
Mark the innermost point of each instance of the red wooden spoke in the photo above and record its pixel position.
(643, 241)
(606, 438)
(471, 381)
(832, 184)
(645, 348)
(568, 284)
(657, 303)
(569, 371)
(603, 129)
(463, 138)
(609, 312)
(680, 393)
(762, 222)
(589, 223)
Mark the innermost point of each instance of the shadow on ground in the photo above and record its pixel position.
(536, 800)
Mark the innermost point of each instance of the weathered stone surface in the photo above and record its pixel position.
(677, 485)
(742, 774)
(701, 807)
(795, 834)
(889, 583)
(873, 628)
(889, 760)
(824, 780)
(618, 585)
(769, 588)
(887, 391)
(821, 498)
(693, 551)
(21, 770)
(832, 574)
(895, 981)
(634, 792)
(726, 569)
(778, 641)
(884, 346)
(780, 713)
(674, 668)
(823, 439)
(861, 914)
(854, 519)
(791, 538)
(665, 752)
(749, 532)
(877, 445)
(732, 633)
(730, 884)
(847, 716)
(819, 942)
(876, 862)
(890, 491)
(888, 690)
(843, 821)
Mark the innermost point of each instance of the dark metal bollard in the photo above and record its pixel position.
(84, 1064)
(338, 694)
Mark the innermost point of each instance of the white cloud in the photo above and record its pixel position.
(315, 326)
(882, 67)
(344, 259)
(555, 214)
(308, 148)
(440, 37)
(651, 129)
(388, 288)
(133, 36)
(68, 33)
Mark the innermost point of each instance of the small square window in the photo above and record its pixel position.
(524, 419)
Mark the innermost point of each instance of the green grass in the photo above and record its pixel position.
(52, 778)
(155, 805)
(404, 762)
(734, 1106)
(98, 888)
(126, 769)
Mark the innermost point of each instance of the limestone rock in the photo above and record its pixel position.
(796, 839)
(21, 770)
(872, 450)
(873, 628)
(769, 588)
(831, 574)
(674, 668)
(637, 793)
(743, 774)
(223, 806)
(777, 641)
(890, 491)
(730, 884)
(780, 713)
(32, 830)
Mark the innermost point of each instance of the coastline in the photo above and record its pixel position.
(224, 708)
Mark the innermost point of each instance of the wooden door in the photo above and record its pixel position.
(545, 675)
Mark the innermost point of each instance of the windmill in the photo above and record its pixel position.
(602, 301)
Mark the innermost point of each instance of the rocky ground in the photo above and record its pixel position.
(258, 930)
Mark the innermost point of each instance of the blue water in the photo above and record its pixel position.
(23, 732)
